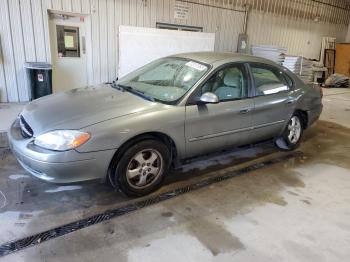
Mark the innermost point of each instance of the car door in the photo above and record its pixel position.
(273, 103)
(212, 127)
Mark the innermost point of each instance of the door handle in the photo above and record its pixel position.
(244, 111)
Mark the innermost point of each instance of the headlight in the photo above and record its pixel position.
(62, 140)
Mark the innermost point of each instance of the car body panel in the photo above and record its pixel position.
(114, 117)
(58, 167)
(211, 127)
(81, 107)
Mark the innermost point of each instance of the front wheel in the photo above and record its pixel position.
(141, 168)
(292, 134)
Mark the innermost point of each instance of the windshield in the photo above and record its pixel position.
(166, 79)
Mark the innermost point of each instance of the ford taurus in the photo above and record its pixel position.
(131, 131)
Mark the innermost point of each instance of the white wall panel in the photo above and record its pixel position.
(111, 40)
(57, 4)
(103, 39)
(7, 60)
(24, 30)
(95, 41)
(67, 5)
(38, 31)
(139, 46)
(348, 35)
(27, 28)
(301, 37)
(18, 48)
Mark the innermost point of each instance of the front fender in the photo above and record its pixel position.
(114, 133)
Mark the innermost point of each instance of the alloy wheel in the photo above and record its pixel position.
(294, 127)
(144, 168)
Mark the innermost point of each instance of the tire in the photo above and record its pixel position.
(291, 137)
(141, 168)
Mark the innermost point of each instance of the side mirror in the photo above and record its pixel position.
(209, 98)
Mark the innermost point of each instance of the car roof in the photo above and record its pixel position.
(222, 57)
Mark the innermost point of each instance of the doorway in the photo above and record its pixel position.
(68, 51)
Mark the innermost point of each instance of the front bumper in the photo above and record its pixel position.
(58, 167)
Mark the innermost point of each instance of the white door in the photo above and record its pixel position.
(68, 52)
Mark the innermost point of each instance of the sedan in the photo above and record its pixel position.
(130, 132)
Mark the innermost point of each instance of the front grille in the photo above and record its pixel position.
(26, 130)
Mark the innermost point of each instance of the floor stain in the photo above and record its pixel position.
(214, 237)
(292, 193)
(167, 214)
(306, 201)
(324, 142)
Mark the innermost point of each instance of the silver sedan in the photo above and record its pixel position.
(131, 131)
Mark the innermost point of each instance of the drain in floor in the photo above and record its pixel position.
(16, 245)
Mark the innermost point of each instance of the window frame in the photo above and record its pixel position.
(274, 69)
(193, 99)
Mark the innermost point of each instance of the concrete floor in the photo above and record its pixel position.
(295, 210)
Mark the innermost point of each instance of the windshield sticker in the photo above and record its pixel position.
(196, 66)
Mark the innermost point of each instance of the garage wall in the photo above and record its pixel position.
(299, 36)
(348, 35)
(24, 31)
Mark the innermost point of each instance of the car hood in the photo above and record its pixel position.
(82, 107)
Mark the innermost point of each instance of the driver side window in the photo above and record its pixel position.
(229, 83)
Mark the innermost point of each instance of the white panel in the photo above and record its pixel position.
(67, 5)
(300, 37)
(57, 4)
(147, 15)
(38, 31)
(28, 33)
(103, 41)
(118, 21)
(85, 6)
(18, 49)
(348, 35)
(125, 12)
(133, 12)
(153, 12)
(46, 4)
(95, 41)
(138, 46)
(76, 6)
(111, 43)
(139, 13)
(7, 56)
(3, 90)
(88, 35)
(166, 8)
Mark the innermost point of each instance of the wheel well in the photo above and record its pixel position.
(149, 135)
(304, 117)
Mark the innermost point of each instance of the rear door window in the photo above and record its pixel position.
(268, 80)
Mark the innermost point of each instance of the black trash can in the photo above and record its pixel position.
(39, 77)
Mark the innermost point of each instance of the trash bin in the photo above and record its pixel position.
(39, 77)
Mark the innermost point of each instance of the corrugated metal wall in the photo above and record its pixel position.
(348, 35)
(24, 30)
(300, 36)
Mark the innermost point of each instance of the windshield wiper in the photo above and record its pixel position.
(135, 92)
(115, 85)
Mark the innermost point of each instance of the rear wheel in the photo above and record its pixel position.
(141, 169)
(292, 134)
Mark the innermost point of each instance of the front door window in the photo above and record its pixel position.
(228, 84)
